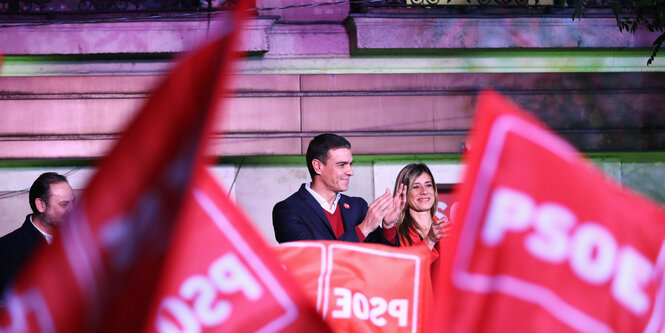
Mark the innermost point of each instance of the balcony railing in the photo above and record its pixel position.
(466, 5)
(19, 7)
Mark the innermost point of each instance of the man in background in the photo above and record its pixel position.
(51, 198)
(318, 211)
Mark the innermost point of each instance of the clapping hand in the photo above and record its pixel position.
(375, 213)
(397, 205)
(439, 229)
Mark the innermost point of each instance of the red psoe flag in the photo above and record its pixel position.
(102, 272)
(547, 242)
(220, 275)
(99, 274)
(349, 285)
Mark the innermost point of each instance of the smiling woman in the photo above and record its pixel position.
(416, 224)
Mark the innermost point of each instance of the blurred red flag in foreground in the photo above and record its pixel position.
(220, 276)
(545, 242)
(102, 272)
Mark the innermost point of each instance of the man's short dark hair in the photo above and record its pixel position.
(319, 146)
(41, 188)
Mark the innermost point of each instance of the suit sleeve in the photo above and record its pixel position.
(288, 224)
(10, 260)
(349, 236)
(377, 236)
(5, 269)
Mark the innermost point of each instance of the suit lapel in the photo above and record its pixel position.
(346, 209)
(316, 208)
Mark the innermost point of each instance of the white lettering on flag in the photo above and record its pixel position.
(552, 234)
(24, 305)
(357, 305)
(398, 308)
(226, 275)
(256, 265)
(592, 250)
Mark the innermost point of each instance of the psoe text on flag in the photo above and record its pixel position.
(548, 242)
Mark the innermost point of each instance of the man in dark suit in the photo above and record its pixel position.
(318, 211)
(51, 198)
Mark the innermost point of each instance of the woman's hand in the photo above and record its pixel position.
(396, 207)
(439, 229)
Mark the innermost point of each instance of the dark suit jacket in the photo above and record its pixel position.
(15, 248)
(300, 217)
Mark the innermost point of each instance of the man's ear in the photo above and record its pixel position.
(317, 165)
(41, 205)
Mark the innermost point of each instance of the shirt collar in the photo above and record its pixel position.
(49, 238)
(323, 202)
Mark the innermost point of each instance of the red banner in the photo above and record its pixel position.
(220, 276)
(363, 287)
(107, 256)
(102, 272)
(549, 243)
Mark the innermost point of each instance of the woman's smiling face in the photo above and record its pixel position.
(421, 195)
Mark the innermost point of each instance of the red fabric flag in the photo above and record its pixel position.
(547, 243)
(392, 294)
(220, 276)
(98, 274)
(102, 271)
